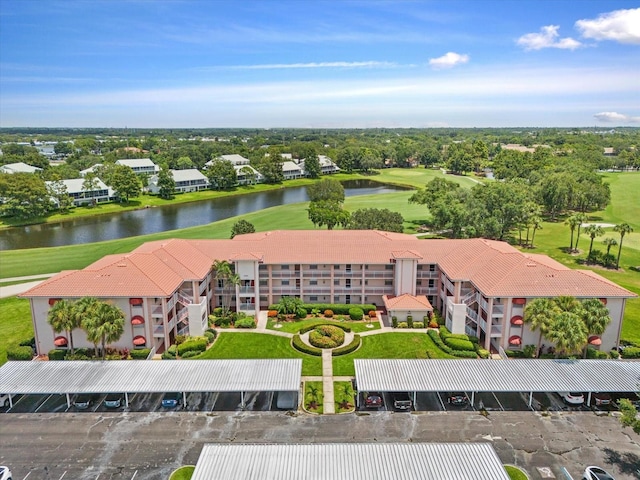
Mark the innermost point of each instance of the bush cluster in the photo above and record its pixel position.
(482, 353)
(597, 354)
(356, 313)
(516, 354)
(80, 356)
(336, 308)
(190, 353)
(631, 352)
(418, 324)
(299, 345)
(19, 352)
(326, 336)
(272, 313)
(346, 349)
(55, 354)
(459, 344)
(310, 326)
(194, 344)
(210, 335)
(433, 324)
(614, 354)
(246, 322)
(30, 342)
(445, 348)
(402, 325)
(140, 353)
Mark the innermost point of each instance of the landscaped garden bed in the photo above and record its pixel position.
(344, 397)
(313, 397)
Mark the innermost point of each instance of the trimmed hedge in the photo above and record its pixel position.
(409, 321)
(402, 325)
(482, 353)
(337, 308)
(614, 354)
(56, 354)
(18, 352)
(445, 348)
(312, 325)
(247, 322)
(394, 321)
(299, 345)
(326, 336)
(418, 325)
(346, 349)
(31, 342)
(168, 356)
(459, 344)
(197, 344)
(356, 313)
(190, 354)
(631, 352)
(140, 353)
(516, 354)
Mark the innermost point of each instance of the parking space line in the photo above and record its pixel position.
(444, 409)
(25, 477)
(62, 476)
(134, 474)
(494, 396)
(46, 400)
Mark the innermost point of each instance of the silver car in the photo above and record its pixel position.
(596, 473)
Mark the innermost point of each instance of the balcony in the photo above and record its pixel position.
(347, 273)
(248, 290)
(426, 274)
(247, 307)
(425, 290)
(158, 331)
(378, 274)
(284, 273)
(498, 311)
(316, 273)
(156, 311)
(496, 331)
(472, 314)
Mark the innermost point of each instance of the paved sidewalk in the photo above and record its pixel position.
(327, 382)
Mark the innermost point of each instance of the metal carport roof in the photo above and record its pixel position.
(518, 375)
(150, 376)
(346, 461)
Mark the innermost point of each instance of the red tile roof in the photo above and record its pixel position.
(406, 302)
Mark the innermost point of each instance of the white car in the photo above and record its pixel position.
(4, 402)
(596, 473)
(572, 398)
(5, 473)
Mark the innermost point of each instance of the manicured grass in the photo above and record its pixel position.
(295, 326)
(343, 393)
(515, 473)
(389, 345)
(260, 345)
(183, 473)
(15, 323)
(318, 397)
(418, 177)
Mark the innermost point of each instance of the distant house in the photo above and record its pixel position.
(19, 167)
(139, 165)
(242, 178)
(91, 169)
(609, 152)
(189, 180)
(81, 196)
(291, 170)
(234, 159)
(327, 166)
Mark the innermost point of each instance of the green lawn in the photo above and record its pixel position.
(15, 323)
(388, 345)
(515, 473)
(295, 326)
(418, 177)
(183, 473)
(260, 345)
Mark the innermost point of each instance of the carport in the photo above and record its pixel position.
(346, 461)
(517, 375)
(150, 376)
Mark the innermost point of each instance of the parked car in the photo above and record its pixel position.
(5, 473)
(373, 400)
(113, 400)
(572, 398)
(596, 473)
(457, 399)
(171, 400)
(402, 402)
(4, 402)
(600, 399)
(286, 400)
(82, 401)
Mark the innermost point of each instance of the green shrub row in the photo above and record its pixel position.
(310, 326)
(597, 354)
(247, 322)
(346, 349)
(190, 353)
(195, 344)
(456, 343)
(356, 313)
(299, 345)
(337, 308)
(140, 353)
(631, 352)
(516, 354)
(445, 348)
(30, 342)
(482, 353)
(19, 352)
(57, 354)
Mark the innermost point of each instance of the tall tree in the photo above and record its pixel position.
(572, 222)
(225, 276)
(326, 190)
(58, 191)
(311, 162)
(63, 318)
(166, 184)
(86, 309)
(609, 242)
(271, 168)
(329, 213)
(568, 332)
(241, 227)
(105, 326)
(595, 316)
(376, 219)
(24, 195)
(221, 174)
(593, 231)
(622, 229)
(90, 184)
(536, 224)
(567, 303)
(539, 314)
(125, 182)
(581, 217)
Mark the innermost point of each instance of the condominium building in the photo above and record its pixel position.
(480, 286)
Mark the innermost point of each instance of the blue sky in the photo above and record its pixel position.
(323, 64)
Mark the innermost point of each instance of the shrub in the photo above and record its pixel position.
(336, 308)
(140, 353)
(482, 353)
(529, 351)
(80, 356)
(196, 344)
(631, 352)
(299, 345)
(346, 349)
(55, 354)
(444, 332)
(172, 350)
(30, 342)
(356, 313)
(167, 356)
(418, 325)
(464, 354)
(402, 325)
(223, 322)
(180, 339)
(217, 311)
(328, 313)
(301, 313)
(473, 339)
(19, 352)
(425, 319)
(438, 341)
(210, 336)
(190, 354)
(433, 324)
(394, 322)
(372, 313)
(311, 325)
(515, 353)
(614, 354)
(247, 322)
(459, 344)
(409, 321)
(272, 313)
(326, 336)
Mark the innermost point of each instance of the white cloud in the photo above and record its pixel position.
(620, 25)
(615, 117)
(547, 38)
(276, 66)
(449, 60)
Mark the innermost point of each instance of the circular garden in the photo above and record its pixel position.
(326, 336)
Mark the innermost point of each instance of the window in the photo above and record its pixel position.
(336, 267)
(285, 282)
(366, 267)
(313, 267)
(347, 283)
(284, 267)
(419, 282)
(366, 282)
(419, 267)
(388, 282)
(263, 283)
(432, 268)
(220, 283)
(432, 283)
(313, 282)
(336, 298)
(347, 299)
(348, 267)
(336, 282)
(388, 267)
(313, 299)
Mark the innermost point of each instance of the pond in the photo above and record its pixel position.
(170, 217)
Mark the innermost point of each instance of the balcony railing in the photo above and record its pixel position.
(472, 314)
(498, 311)
(496, 330)
(347, 273)
(469, 298)
(285, 273)
(158, 331)
(425, 290)
(316, 273)
(249, 290)
(426, 274)
(157, 311)
(245, 307)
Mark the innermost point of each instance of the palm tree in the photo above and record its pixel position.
(581, 218)
(62, 317)
(609, 242)
(105, 326)
(568, 332)
(595, 317)
(573, 222)
(593, 231)
(536, 223)
(567, 304)
(622, 229)
(86, 309)
(223, 275)
(539, 314)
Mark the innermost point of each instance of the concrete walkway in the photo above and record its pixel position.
(329, 403)
(13, 290)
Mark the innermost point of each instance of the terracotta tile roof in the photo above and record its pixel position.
(406, 254)
(406, 302)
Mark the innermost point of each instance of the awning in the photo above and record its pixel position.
(595, 340)
(519, 301)
(52, 301)
(139, 340)
(515, 340)
(60, 341)
(603, 300)
(517, 320)
(137, 320)
(135, 301)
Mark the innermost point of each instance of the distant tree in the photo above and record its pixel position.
(609, 242)
(347, 159)
(241, 227)
(376, 219)
(63, 148)
(434, 190)
(460, 157)
(553, 192)
(125, 182)
(327, 190)
(166, 184)
(221, 174)
(480, 155)
(536, 224)
(369, 159)
(622, 229)
(311, 162)
(329, 213)
(573, 223)
(184, 163)
(90, 183)
(271, 168)
(250, 176)
(58, 191)
(593, 231)
(24, 195)
(429, 155)
(581, 218)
